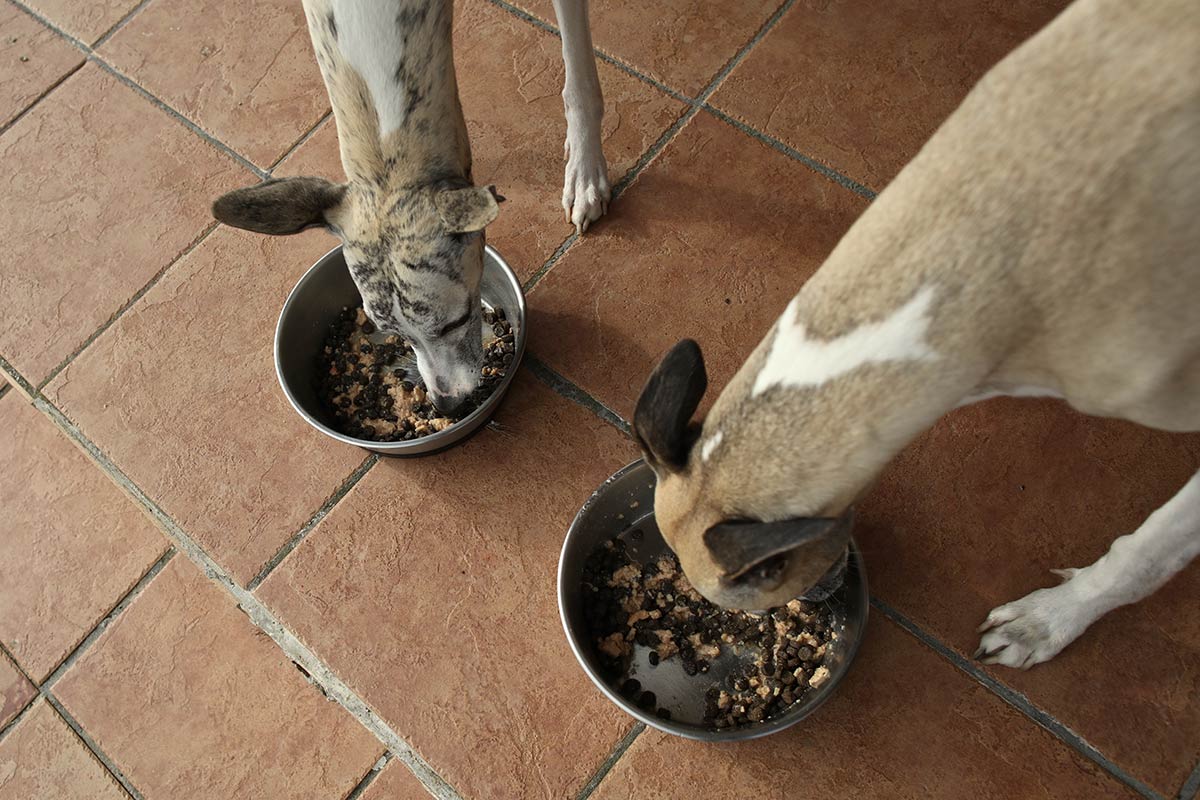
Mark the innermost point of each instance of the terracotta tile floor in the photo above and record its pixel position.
(200, 597)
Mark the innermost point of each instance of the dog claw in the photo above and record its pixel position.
(1066, 574)
(988, 656)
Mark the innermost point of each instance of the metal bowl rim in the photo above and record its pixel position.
(774, 725)
(426, 444)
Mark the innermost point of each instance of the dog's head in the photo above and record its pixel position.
(748, 534)
(415, 253)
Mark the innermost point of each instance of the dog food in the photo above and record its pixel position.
(655, 606)
(370, 384)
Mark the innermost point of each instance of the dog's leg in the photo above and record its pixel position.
(1036, 627)
(585, 185)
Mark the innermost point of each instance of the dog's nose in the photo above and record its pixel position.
(451, 405)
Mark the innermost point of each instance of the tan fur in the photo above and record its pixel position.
(1055, 212)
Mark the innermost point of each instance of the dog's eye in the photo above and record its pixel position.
(458, 323)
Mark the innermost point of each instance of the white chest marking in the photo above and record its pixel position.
(710, 444)
(369, 40)
(797, 362)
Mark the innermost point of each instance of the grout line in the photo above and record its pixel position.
(790, 152)
(611, 761)
(192, 126)
(743, 51)
(138, 295)
(300, 142)
(4, 387)
(369, 778)
(572, 392)
(21, 115)
(627, 68)
(1018, 701)
(100, 755)
(1191, 787)
(4, 729)
(78, 43)
(655, 149)
(103, 624)
(624, 183)
(652, 152)
(536, 278)
(358, 474)
(121, 23)
(43, 691)
(811, 163)
(93, 57)
(326, 680)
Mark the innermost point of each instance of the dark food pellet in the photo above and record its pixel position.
(673, 621)
(663, 713)
(370, 399)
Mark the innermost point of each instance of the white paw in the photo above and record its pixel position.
(1035, 628)
(586, 191)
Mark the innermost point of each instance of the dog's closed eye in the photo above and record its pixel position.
(456, 324)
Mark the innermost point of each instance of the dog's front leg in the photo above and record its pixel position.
(1036, 627)
(585, 185)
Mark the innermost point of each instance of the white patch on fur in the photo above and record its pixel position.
(711, 444)
(369, 41)
(798, 362)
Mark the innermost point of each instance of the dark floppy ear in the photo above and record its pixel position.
(737, 546)
(468, 210)
(666, 405)
(280, 206)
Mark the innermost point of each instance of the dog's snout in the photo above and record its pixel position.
(449, 404)
(442, 385)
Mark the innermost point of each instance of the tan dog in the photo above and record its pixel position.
(410, 219)
(1044, 242)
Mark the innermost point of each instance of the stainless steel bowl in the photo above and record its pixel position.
(625, 503)
(314, 305)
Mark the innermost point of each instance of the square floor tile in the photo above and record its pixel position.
(681, 43)
(244, 72)
(711, 242)
(181, 392)
(860, 86)
(903, 724)
(71, 543)
(396, 782)
(110, 191)
(41, 757)
(510, 79)
(15, 691)
(977, 511)
(34, 58)
(190, 700)
(85, 21)
(430, 589)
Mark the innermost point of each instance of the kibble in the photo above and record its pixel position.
(373, 399)
(654, 605)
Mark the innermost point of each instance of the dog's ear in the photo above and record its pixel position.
(737, 546)
(468, 210)
(666, 405)
(280, 206)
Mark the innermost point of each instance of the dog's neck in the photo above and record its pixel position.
(887, 337)
(389, 69)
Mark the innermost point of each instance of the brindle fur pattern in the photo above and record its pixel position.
(410, 220)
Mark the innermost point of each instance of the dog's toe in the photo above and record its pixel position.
(1033, 629)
